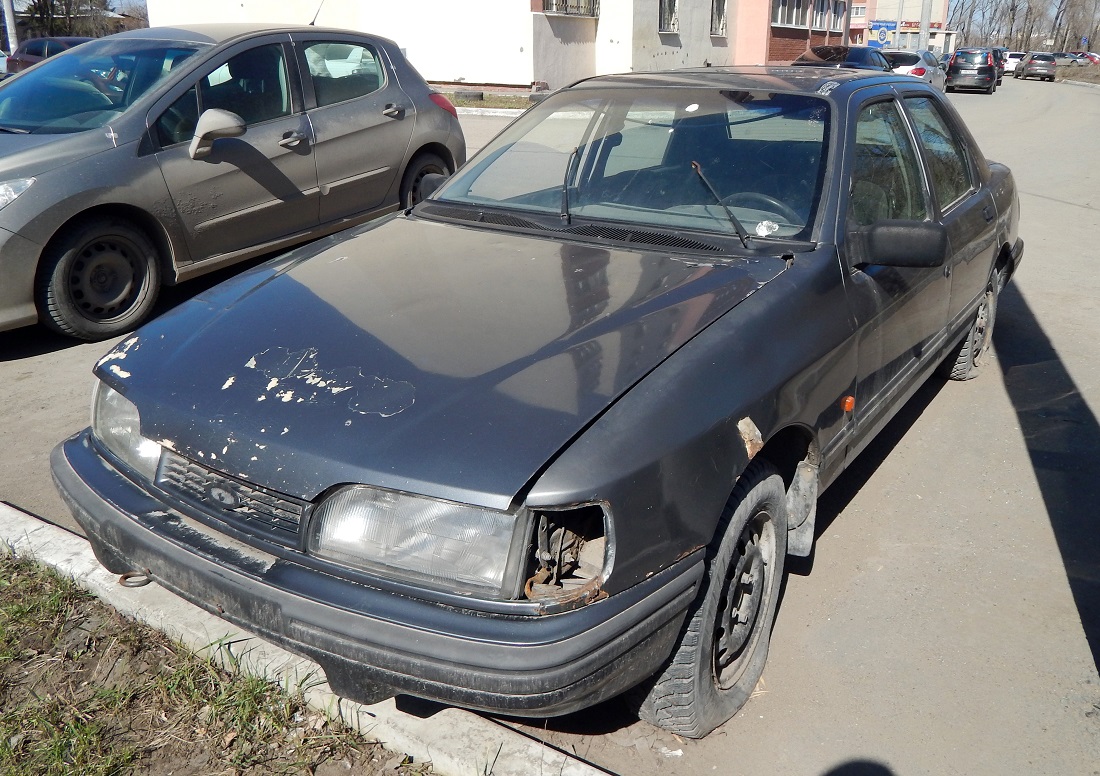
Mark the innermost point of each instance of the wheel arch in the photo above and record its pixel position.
(794, 452)
(438, 149)
(142, 219)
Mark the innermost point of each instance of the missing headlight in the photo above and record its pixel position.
(569, 557)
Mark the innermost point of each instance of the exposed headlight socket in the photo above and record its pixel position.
(570, 556)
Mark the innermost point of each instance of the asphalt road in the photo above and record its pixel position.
(949, 620)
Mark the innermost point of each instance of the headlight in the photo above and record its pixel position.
(456, 547)
(9, 190)
(116, 424)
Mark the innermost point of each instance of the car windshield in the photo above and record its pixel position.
(89, 86)
(659, 157)
(901, 58)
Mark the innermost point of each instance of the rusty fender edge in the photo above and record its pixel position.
(373, 644)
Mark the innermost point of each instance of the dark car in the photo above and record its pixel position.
(34, 50)
(1000, 59)
(973, 68)
(552, 433)
(859, 57)
(157, 155)
(1037, 65)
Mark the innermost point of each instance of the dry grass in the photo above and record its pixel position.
(83, 690)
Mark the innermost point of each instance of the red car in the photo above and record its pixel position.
(34, 50)
(1091, 56)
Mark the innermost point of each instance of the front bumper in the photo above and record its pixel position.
(371, 642)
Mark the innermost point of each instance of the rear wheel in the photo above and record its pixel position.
(975, 349)
(99, 277)
(422, 165)
(724, 643)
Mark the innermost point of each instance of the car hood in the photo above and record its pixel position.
(444, 360)
(36, 154)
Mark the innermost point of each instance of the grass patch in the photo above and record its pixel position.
(84, 690)
(493, 100)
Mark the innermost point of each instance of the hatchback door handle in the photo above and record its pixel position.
(394, 111)
(987, 213)
(291, 139)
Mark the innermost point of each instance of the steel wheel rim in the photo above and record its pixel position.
(106, 278)
(983, 327)
(742, 607)
(414, 190)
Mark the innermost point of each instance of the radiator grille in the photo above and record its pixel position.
(260, 510)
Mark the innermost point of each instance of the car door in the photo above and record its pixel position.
(254, 189)
(900, 312)
(362, 120)
(964, 206)
(935, 72)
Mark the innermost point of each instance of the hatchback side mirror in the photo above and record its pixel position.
(212, 125)
(907, 244)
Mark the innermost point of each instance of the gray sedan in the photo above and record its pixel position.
(157, 155)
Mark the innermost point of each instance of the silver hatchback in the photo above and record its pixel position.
(157, 155)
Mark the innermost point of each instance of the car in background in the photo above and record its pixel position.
(552, 433)
(973, 68)
(157, 155)
(1037, 64)
(1066, 59)
(919, 64)
(1012, 60)
(1091, 56)
(1000, 59)
(34, 50)
(859, 57)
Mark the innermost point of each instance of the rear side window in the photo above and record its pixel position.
(943, 151)
(35, 48)
(343, 71)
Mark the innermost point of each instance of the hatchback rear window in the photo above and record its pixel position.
(899, 59)
(972, 57)
(1042, 57)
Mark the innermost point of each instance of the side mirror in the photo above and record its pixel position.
(907, 244)
(212, 125)
(430, 184)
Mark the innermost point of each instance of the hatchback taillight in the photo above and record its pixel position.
(918, 71)
(989, 59)
(443, 103)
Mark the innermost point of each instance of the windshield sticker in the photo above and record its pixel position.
(827, 87)
(764, 228)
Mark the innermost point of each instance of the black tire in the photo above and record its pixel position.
(99, 277)
(973, 352)
(992, 88)
(949, 89)
(717, 662)
(415, 172)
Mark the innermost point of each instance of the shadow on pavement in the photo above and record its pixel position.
(860, 768)
(1063, 440)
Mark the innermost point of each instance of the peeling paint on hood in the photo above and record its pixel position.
(436, 359)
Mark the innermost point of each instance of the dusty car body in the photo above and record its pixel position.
(550, 434)
(157, 155)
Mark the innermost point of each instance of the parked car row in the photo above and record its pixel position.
(546, 436)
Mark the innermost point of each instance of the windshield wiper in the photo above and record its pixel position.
(15, 130)
(565, 187)
(737, 227)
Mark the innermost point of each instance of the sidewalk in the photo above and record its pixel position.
(457, 742)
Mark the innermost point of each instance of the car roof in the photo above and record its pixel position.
(220, 33)
(753, 77)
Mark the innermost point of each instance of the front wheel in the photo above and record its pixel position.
(422, 165)
(724, 643)
(99, 277)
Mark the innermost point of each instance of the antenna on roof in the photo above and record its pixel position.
(319, 7)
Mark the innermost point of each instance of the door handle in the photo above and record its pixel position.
(394, 111)
(291, 139)
(988, 214)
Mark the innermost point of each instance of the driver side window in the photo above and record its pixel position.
(886, 178)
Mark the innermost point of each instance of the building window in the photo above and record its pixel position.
(859, 11)
(717, 17)
(825, 14)
(572, 7)
(668, 21)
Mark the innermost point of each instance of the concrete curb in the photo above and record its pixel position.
(490, 111)
(457, 742)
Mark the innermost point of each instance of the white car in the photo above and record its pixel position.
(1012, 59)
(918, 63)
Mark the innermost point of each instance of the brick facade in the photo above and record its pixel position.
(787, 43)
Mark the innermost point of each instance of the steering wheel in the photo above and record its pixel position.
(749, 198)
